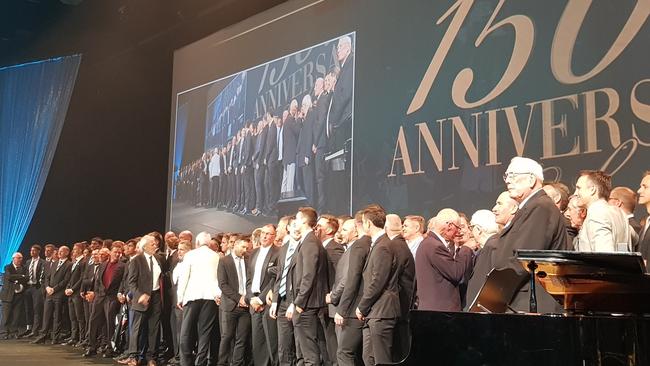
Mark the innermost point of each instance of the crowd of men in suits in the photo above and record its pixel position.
(314, 289)
(281, 155)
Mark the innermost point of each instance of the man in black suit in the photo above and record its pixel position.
(644, 199)
(625, 199)
(524, 179)
(322, 100)
(145, 281)
(309, 278)
(290, 133)
(105, 304)
(12, 294)
(304, 152)
(34, 298)
(236, 322)
(339, 121)
(326, 227)
(273, 163)
(258, 164)
(379, 306)
(261, 275)
(72, 291)
(247, 170)
(350, 337)
(282, 297)
(87, 283)
(55, 285)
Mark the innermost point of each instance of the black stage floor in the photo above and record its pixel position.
(213, 220)
(21, 352)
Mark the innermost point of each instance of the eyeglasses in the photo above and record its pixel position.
(454, 224)
(511, 175)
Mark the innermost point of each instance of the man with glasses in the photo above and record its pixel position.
(538, 224)
(438, 271)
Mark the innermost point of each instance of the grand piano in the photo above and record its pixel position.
(606, 317)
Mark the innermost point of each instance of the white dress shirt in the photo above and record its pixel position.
(240, 266)
(259, 267)
(414, 244)
(198, 280)
(155, 271)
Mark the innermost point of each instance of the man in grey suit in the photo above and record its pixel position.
(605, 228)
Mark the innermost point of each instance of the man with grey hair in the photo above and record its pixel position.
(538, 224)
(198, 295)
(304, 152)
(438, 271)
(15, 281)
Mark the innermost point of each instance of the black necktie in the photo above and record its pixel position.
(151, 264)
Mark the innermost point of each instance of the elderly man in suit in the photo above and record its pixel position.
(261, 275)
(144, 284)
(236, 321)
(605, 229)
(440, 271)
(197, 294)
(55, 285)
(538, 224)
(105, 304)
(290, 131)
(13, 291)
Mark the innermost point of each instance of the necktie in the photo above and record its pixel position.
(32, 275)
(151, 264)
(59, 265)
(282, 291)
(240, 276)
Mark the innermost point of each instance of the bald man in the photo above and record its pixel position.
(438, 271)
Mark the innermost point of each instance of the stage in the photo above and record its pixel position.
(213, 220)
(21, 352)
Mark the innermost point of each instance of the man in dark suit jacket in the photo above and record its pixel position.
(439, 272)
(247, 171)
(406, 281)
(309, 279)
(87, 283)
(322, 100)
(326, 228)
(290, 132)
(145, 282)
(12, 294)
(72, 291)
(34, 298)
(304, 152)
(339, 119)
(282, 298)
(258, 164)
(273, 176)
(260, 277)
(236, 322)
(55, 284)
(105, 304)
(350, 336)
(538, 224)
(379, 306)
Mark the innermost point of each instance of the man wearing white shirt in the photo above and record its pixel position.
(215, 171)
(413, 230)
(198, 293)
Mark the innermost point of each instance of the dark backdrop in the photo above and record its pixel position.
(109, 173)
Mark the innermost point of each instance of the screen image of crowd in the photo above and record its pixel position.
(308, 289)
(293, 151)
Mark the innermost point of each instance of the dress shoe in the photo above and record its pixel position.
(24, 334)
(89, 353)
(70, 342)
(29, 335)
(56, 341)
(40, 339)
(107, 354)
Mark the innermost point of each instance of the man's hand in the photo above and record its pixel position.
(472, 244)
(144, 299)
(328, 298)
(49, 290)
(359, 315)
(121, 298)
(290, 311)
(306, 160)
(68, 292)
(269, 297)
(273, 312)
(338, 320)
(90, 296)
(313, 149)
(180, 305)
(299, 309)
(242, 302)
(218, 300)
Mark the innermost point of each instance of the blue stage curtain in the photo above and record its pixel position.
(34, 99)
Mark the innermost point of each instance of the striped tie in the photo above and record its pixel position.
(283, 280)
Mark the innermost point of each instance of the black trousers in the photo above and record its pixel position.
(223, 188)
(77, 316)
(307, 172)
(234, 341)
(260, 173)
(264, 331)
(378, 341)
(350, 339)
(329, 344)
(34, 301)
(287, 354)
(150, 318)
(249, 188)
(214, 190)
(232, 189)
(275, 179)
(88, 309)
(13, 313)
(52, 316)
(199, 320)
(306, 326)
(103, 318)
(320, 166)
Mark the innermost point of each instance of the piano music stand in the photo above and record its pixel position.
(592, 282)
(498, 290)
